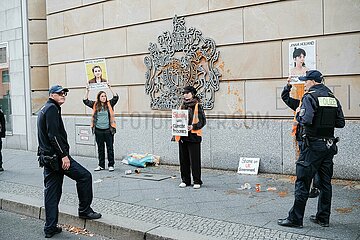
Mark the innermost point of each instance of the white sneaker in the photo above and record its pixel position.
(98, 168)
(111, 169)
(182, 185)
(197, 186)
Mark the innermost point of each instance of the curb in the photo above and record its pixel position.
(112, 226)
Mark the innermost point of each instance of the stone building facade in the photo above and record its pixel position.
(248, 119)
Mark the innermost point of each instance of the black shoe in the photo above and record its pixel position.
(287, 223)
(314, 192)
(317, 221)
(52, 233)
(91, 215)
(1, 169)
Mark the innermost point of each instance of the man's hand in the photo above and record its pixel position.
(65, 163)
(190, 127)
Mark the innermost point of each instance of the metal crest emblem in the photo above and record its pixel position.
(184, 57)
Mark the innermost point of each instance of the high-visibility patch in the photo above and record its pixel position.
(327, 102)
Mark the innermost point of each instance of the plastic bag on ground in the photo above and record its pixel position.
(141, 160)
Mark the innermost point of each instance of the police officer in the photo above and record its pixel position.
(54, 157)
(294, 103)
(319, 113)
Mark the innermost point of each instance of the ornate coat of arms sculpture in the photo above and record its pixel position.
(184, 57)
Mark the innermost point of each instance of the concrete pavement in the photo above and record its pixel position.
(144, 209)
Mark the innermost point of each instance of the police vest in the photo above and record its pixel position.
(323, 123)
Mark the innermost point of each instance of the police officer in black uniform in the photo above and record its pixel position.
(54, 157)
(294, 103)
(319, 113)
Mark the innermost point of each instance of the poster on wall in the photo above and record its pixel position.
(179, 122)
(302, 57)
(96, 74)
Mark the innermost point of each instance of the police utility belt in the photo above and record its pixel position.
(47, 160)
(329, 141)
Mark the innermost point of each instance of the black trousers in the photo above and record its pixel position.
(315, 158)
(53, 181)
(190, 162)
(316, 179)
(1, 162)
(102, 137)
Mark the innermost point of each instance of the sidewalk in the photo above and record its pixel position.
(144, 209)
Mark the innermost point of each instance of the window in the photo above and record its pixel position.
(5, 99)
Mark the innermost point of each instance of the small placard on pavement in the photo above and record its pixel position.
(248, 165)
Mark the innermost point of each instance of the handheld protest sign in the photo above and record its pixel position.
(96, 74)
(179, 122)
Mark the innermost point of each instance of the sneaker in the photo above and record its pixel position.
(182, 185)
(197, 186)
(91, 215)
(314, 192)
(111, 169)
(98, 168)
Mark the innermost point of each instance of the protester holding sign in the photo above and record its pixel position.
(103, 125)
(189, 146)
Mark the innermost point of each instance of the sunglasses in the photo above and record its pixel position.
(62, 94)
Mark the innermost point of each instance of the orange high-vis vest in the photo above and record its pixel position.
(300, 94)
(112, 115)
(194, 121)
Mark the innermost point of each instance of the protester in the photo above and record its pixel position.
(319, 113)
(2, 135)
(103, 125)
(189, 146)
(54, 156)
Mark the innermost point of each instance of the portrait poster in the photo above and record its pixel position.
(96, 74)
(179, 122)
(302, 57)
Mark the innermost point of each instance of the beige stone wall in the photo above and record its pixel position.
(252, 37)
(38, 51)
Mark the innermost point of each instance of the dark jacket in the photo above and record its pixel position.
(2, 124)
(52, 136)
(289, 101)
(309, 112)
(193, 137)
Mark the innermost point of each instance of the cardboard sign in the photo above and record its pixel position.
(248, 165)
(179, 122)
